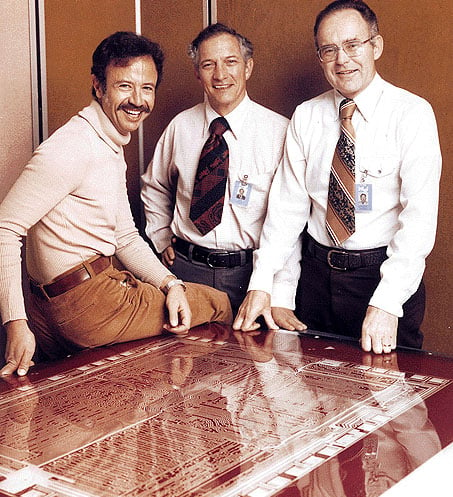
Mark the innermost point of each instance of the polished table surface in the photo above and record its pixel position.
(218, 413)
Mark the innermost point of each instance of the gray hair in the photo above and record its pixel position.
(217, 29)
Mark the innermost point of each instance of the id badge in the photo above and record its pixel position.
(241, 193)
(363, 197)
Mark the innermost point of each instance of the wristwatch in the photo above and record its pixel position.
(171, 284)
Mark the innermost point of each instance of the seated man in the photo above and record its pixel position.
(71, 203)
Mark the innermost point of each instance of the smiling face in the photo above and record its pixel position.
(349, 75)
(129, 93)
(223, 72)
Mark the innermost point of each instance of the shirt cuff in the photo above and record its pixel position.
(261, 280)
(162, 240)
(283, 295)
(383, 298)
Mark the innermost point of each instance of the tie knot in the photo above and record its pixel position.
(347, 108)
(219, 126)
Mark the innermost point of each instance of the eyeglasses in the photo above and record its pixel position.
(352, 48)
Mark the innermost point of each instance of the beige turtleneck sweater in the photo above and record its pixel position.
(71, 203)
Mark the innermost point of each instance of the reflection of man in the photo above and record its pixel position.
(72, 204)
(222, 256)
(373, 465)
(361, 268)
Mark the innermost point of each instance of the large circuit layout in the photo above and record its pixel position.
(194, 416)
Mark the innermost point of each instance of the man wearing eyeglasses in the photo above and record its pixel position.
(362, 263)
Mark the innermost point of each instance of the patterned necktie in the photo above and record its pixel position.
(210, 181)
(340, 220)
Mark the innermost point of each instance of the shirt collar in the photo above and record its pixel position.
(104, 127)
(366, 100)
(235, 118)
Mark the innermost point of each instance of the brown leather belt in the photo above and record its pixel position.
(72, 279)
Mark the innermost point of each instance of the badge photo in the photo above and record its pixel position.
(241, 193)
(363, 197)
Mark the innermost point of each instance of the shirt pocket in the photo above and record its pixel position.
(377, 168)
(260, 184)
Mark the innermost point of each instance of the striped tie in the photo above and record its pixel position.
(340, 220)
(210, 181)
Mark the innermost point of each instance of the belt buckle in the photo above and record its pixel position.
(329, 259)
(42, 290)
(208, 261)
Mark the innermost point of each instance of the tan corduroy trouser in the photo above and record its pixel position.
(114, 307)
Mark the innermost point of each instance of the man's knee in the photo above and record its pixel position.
(209, 304)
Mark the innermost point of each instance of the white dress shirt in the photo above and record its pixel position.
(397, 152)
(255, 142)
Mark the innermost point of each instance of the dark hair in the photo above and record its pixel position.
(368, 15)
(119, 48)
(215, 30)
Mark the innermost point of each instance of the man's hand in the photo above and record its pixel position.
(386, 361)
(20, 347)
(286, 319)
(256, 303)
(180, 369)
(168, 255)
(379, 331)
(179, 312)
(257, 351)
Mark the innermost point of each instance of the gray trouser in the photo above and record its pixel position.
(234, 281)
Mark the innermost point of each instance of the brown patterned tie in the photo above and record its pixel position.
(210, 181)
(340, 220)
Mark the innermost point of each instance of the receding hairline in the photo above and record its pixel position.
(219, 35)
(373, 28)
(245, 45)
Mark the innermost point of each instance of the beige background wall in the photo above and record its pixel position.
(286, 72)
(15, 97)
(16, 143)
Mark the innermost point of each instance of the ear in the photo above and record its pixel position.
(248, 68)
(196, 71)
(97, 87)
(378, 46)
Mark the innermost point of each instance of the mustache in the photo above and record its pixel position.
(139, 108)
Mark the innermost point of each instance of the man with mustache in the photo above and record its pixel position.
(71, 203)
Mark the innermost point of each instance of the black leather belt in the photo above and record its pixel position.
(73, 278)
(344, 260)
(213, 258)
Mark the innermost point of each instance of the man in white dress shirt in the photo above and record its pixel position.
(370, 285)
(221, 258)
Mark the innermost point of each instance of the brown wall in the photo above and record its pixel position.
(73, 30)
(173, 24)
(286, 72)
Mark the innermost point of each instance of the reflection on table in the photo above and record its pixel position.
(219, 413)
